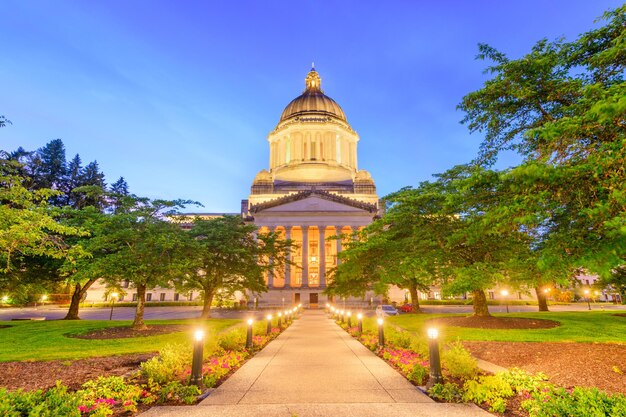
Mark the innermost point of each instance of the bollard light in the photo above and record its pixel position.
(343, 315)
(587, 295)
(280, 320)
(196, 364)
(349, 319)
(249, 334)
(269, 324)
(360, 317)
(381, 333)
(434, 359)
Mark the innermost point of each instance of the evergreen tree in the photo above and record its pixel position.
(50, 167)
(74, 179)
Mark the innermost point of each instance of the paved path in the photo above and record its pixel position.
(316, 369)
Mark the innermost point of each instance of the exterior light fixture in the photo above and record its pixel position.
(434, 359)
(381, 333)
(5, 298)
(114, 296)
(360, 318)
(196, 364)
(280, 320)
(44, 297)
(343, 315)
(269, 324)
(249, 334)
(349, 318)
(587, 296)
(505, 294)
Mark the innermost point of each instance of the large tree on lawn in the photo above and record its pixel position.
(227, 254)
(143, 248)
(562, 107)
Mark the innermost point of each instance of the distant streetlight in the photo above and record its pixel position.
(505, 294)
(113, 299)
(434, 359)
(587, 295)
(196, 364)
(381, 333)
(280, 320)
(249, 334)
(5, 299)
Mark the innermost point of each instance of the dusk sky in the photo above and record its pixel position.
(179, 96)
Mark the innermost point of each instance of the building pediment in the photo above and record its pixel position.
(313, 201)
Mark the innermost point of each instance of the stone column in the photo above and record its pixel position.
(270, 272)
(322, 244)
(287, 266)
(338, 231)
(305, 256)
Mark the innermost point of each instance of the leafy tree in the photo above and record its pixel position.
(143, 248)
(225, 255)
(4, 121)
(562, 108)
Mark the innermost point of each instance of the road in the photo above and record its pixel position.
(185, 312)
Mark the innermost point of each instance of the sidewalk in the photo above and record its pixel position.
(316, 369)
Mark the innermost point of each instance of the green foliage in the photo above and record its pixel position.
(399, 338)
(233, 340)
(418, 374)
(115, 390)
(55, 402)
(458, 361)
(169, 364)
(175, 391)
(589, 402)
(492, 390)
(447, 392)
(522, 381)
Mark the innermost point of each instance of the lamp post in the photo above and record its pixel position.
(434, 359)
(280, 320)
(113, 299)
(587, 296)
(269, 325)
(249, 334)
(332, 312)
(381, 333)
(505, 294)
(360, 317)
(343, 315)
(349, 319)
(196, 364)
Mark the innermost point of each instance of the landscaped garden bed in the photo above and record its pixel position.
(125, 384)
(515, 392)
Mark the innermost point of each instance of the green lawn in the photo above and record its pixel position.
(47, 340)
(587, 326)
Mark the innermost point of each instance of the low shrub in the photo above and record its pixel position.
(106, 392)
(177, 392)
(55, 402)
(522, 381)
(491, 389)
(169, 364)
(418, 374)
(399, 338)
(458, 361)
(588, 402)
(233, 340)
(447, 392)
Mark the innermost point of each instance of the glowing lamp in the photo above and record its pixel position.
(433, 333)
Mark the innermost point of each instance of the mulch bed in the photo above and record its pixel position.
(4, 326)
(598, 365)
(495, 322)
(127, 332)
(42, 375)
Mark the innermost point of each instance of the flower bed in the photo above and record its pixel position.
(511, 393)
(163, 379)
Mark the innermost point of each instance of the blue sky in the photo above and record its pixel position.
(178, 97)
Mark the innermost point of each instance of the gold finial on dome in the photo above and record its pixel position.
(313, 80)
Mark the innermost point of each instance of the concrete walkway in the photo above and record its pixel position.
(316, 369)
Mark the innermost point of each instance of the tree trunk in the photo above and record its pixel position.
(138, 323)
(480, 303)
(542, 299)
(206, 305)
(79, 293)
(414, 299)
